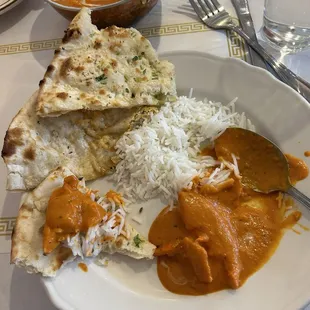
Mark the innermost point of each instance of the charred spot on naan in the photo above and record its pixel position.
(95, 102)
(42, 82)
(78, 69)
(115, 47)
(73, 33)
(65, 67)
(62, 95)
(113, 63)
(119, 243)
(29, 153)
(12, 139)
(113, 31)
(97, 44)
(50, 69)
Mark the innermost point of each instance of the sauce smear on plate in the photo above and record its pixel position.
(83, 267)
(298, 169)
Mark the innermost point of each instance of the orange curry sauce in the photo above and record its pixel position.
(83, 267)
(80, 3)
(69, 211)
(218, 236)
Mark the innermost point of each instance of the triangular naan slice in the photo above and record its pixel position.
(27, 238)
(82, 141)
(98, 70)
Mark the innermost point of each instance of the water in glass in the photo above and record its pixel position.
(287, 23)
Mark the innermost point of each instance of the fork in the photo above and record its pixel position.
(214, 15)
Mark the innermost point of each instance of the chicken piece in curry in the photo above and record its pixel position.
(219, 234)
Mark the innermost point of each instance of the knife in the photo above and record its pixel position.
(243, 11)
(245, 18)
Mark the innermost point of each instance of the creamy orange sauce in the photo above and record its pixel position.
(296, 231)
(69, 211)
(238, 231)
(257, 159)
(208, 151)
(298, 169)
(114, 196)
(80, 3)
(83, 267)
(218, 236)
(305, 228)
(307, 153)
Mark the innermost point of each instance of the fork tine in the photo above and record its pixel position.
(198, 10)
(205, 8)
(218, 5)
(211, 6)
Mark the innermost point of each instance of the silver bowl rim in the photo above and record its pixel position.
(76, 9)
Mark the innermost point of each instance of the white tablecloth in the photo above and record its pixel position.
(29, 35)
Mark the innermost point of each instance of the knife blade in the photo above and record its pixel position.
(245, 18)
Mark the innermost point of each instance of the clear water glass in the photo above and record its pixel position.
(287, 24)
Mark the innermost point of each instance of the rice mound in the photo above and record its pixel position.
(162, 156)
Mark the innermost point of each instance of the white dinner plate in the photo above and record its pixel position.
(7, 5)
(284, 282)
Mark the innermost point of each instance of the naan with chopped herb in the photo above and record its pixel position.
(48, 233)
(82, 141)
(99, 70)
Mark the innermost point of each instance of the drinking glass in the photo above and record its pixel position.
(287, 24)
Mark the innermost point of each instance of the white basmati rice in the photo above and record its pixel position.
(162, 156)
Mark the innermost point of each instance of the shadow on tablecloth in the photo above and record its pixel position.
(27, 292)
(9, 19)
(187, 10)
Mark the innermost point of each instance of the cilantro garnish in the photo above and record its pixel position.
(101, 78)
(137, 241)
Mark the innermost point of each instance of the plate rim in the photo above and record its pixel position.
(241, 62)
(59, 302)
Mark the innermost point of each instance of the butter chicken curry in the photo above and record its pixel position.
(69, 211)
(220, 234)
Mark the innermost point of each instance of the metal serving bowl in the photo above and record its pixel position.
(122, 13)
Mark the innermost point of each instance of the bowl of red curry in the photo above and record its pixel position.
(122, 13)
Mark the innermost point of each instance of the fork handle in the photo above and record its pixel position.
(284, 73)
(299, 196)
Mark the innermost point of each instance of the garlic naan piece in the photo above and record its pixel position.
(82, 141)
(27, 238)
(98, 70)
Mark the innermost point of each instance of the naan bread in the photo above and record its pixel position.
(98, 70)
(82, 141)
(27, 238)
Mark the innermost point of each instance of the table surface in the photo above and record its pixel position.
(29, 34)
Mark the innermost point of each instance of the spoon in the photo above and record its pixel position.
(263, 166)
